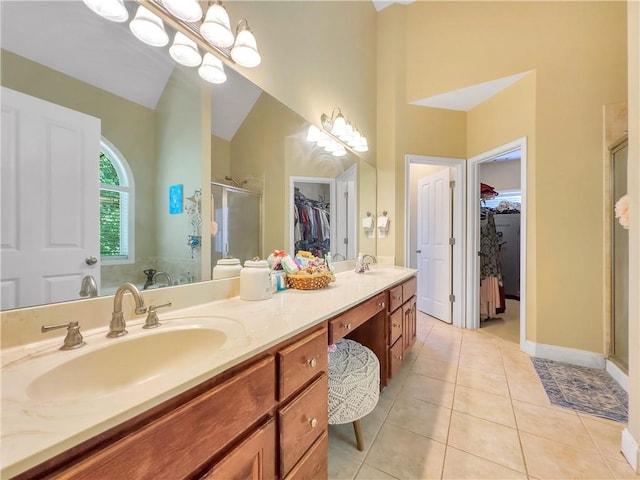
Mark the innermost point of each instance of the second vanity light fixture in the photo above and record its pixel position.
(338, 135)
(211, 33)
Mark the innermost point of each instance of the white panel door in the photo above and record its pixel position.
(346, 199)
(50, 200)
(434, 250)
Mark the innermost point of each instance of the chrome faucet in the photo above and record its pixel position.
(88, 287)
(161, 274)
(118, 327)
(335, 255)
(373, 259)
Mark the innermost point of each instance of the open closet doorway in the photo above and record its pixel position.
(497, 242)
(434, 212)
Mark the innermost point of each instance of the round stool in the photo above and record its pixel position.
(354, 384)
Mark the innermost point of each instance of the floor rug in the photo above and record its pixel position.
(587, 390)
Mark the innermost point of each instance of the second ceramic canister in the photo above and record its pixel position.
(226, 268)
(255, 280)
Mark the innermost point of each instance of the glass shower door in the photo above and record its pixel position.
(620, 263)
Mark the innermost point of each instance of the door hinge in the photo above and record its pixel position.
(346, 240)
(346, 195)
(452, 183)
(452, 298)
(452, 241)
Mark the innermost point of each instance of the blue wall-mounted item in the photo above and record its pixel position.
(175, 199)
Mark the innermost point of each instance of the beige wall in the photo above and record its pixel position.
(633, 31)
(577, 50)
(317, 56)
(504, 175)
(220, 159)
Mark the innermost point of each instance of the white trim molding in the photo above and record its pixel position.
(618, 375)
(630, 449)
(565, 354)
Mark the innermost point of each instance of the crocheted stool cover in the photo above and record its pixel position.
(354, 382)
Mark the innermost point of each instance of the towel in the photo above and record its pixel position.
(367, 223)
(383, 222)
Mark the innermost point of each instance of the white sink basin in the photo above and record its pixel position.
(125, 362)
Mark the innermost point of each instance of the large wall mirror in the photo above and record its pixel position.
(163, 136)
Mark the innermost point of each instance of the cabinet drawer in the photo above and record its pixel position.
(180, 442)
(302, 422)
(352, 319)
(409, 289)
(300, 362)
(395, 356)
(395, 297)
(395, 326)
(314, 464)
(255, 458)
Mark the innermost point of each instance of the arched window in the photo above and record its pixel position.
(117, 189)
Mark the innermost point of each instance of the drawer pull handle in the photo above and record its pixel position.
(396, 325)
(398, 357)
(312, 362)
(347, 326)
(397, 298)
(381, 304)
(313, 422)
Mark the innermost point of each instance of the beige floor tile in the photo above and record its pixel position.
(563, 426)
(435, 369)
(428, 389)
(547, 459)
(343, 438)
(440, 352)
(406, 455)
(420, 417)
(341, 465)
(606, 433)
(485, 380)
(367, 472)
(486, 359)
(463, 465)
(488, 406)
(526, 386)
(485, 439)
(621, 469)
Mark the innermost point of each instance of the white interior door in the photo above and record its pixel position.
(50, 201)
(346, 198)
(434, 250)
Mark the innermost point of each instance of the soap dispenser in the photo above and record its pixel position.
(360, 265)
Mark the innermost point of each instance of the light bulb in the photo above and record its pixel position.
(339, 126)
(216, 28)
(185, 51)
(313, 134)
(187, 10)
(340, 152)
(113, 10)
(245, 51)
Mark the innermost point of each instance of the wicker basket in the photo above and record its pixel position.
(309, 282)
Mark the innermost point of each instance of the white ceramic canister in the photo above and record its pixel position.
(226, 268)
(255, 280)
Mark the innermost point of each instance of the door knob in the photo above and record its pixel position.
(418, 251)
(91, 260)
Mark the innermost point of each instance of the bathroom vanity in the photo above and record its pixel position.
(255, 408)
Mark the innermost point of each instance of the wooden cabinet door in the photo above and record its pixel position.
(253, 459)
(314, 465)
(409, 324)
(395, 326)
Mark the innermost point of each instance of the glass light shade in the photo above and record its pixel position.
(148, 28)
(324, 140)
(113, 10)
(313, 134)
(362, 146)
(339, 126)
(348, 133)
(340, 152)
(212, 70)
(216, 28)
(331, 147)
(245, 51)
(185, 51)
(355, 138)
(187, 10)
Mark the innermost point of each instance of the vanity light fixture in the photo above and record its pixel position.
(216, 27)
(113, 10)
(338, 135)
(245, 49)
(148, 28)
(185, 51)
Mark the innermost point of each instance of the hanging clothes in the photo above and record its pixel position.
(312, 228)
(490, 274)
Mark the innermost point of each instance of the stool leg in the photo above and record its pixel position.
(357, 428)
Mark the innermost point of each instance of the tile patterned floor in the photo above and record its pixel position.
(468, 405)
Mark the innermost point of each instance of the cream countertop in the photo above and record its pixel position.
(34, 431)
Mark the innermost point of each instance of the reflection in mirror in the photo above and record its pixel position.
(150, 120)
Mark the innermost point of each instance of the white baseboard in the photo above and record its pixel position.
(618, 375)
(630, 450)
(564, 354)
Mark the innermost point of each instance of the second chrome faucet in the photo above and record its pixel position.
(118, 326)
